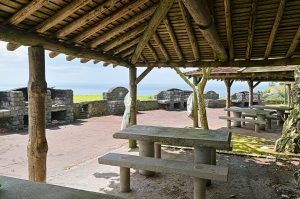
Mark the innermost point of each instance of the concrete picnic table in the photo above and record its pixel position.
(280, 110)
(13, 188)
(203, 141)
(237, 112)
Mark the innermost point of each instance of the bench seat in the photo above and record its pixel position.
(198, 171)
(256, 122)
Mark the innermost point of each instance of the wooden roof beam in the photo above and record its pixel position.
(190, 31)
(25, 12)
(96, 61)
(125, 37)
(161, 46)
(152, 51)
(11, 46)
(275, 28)
(70, 57)
(227, 5)
(126, 46)
(251, 27)
(237, 63)
(173, 38)
(200, 12)
(53, 54)
(294, 44)
(109, 19)
(84, 60)
(143, 74)
(160, 13)
(86, 18)
(59, 16)
(132, 21)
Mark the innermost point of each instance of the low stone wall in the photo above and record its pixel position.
(103, 107)
(219, 103)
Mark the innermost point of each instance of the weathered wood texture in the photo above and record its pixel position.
(251, 87)
(37, 91)
(228, 84)
(133, 106)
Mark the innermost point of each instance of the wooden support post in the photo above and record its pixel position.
(289, 94)
(37, 90)
(195, 105)
(228, 84)
(250, 84)
(133, 106)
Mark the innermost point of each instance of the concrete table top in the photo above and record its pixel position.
(13, 188)
(248, 110)
(177, 136)
(281, 108)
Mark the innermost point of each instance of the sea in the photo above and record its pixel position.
(143, 89)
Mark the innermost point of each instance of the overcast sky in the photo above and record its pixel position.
(14, 73)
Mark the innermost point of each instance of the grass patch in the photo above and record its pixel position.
(83, 98)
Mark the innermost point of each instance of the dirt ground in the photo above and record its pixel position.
(74, 148)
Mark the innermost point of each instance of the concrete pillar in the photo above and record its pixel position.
(125, 179)
(237, 115)
(201, 155)
(146, 149)
(157, 150)
(262, 118)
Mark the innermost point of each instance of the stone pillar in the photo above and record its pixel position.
(133, 107)
(37, 90)
(146, 149)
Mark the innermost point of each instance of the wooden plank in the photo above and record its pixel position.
(275, 28)
(190, 31)
(227, 5)
(26, 38)
(60, 15)
(153, 53)
(70, 58)
(173, 38)
(200, 12)
(126, 46)
(161, 46)
(107, 20)
(294, 44)
(37, 91)
(86, 18)
(13, 188)
(53, 54)
(204, 171)
(158, 16)
(251, 28)
(177, 136)
(26, 11)
(236, 63)
(115, 31)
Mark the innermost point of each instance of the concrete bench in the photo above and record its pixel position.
(257, 123)
(200, 172)
(13, 188)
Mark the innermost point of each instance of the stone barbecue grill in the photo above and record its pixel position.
(173, 99)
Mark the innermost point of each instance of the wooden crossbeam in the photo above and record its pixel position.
(132, 21)
(86, 18)
(107, 20)
(84, 60)
(251, 27)
(14, 35)
(126, 46)
(294, 44)
(256, 84)
(12, 46)
(96, 61)
(127, 52)
(25, 12)
(70, 58)
(121, 39)
(143, 74)
(275, 28)
(161, 46)
(237, 63)
(200, 12)
(173, 38)
(106, 64)
(190, 31)
(153, 53)
(63, 13)
(53, 54)
(158, 16)
(227, 5)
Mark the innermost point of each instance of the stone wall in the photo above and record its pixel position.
(147, 105)
(115, 94)
(218, 103)
(211, 95)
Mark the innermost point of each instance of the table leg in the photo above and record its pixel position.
(125, 179)
(201, 155)
(261, 118)
(280, 114)
(237, 115)
(157, 150)
(146, 149)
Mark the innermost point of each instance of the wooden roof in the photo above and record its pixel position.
(159, 33)
(274, 73)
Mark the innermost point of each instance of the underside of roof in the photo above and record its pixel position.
(274, 73)
(159, 33)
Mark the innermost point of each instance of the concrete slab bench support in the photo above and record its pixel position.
(157, 150)
(261, 118)
(237, 115)
(146, 149)
(125, 179)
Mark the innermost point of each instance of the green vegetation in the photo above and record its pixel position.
(256, 146)
(82, 98)
(274, 92)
